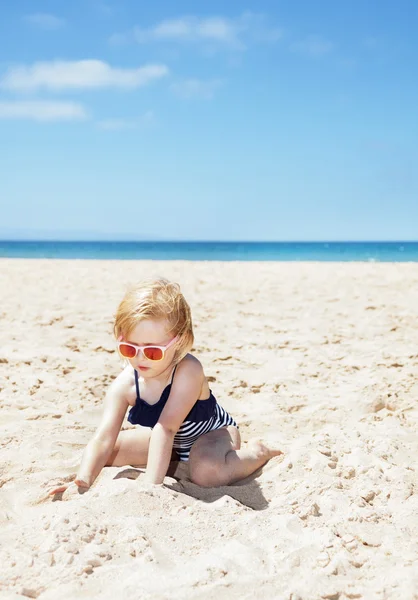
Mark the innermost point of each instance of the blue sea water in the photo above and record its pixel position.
(220, 251)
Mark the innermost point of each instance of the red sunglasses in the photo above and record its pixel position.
(128, 350)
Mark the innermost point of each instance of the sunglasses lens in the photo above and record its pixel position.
(127, 351)
(153, 353)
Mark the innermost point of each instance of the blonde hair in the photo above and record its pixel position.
(158, 299)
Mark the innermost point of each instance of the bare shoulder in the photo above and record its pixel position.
(191, 366)
(190, 373)
(123, 387)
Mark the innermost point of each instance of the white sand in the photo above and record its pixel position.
(322, 357)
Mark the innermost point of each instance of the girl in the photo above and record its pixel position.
(169, 400)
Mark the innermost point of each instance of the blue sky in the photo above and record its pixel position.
(268, 120)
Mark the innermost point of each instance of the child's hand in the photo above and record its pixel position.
(81, 485)
(147, 486)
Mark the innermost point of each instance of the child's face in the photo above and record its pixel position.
(150, 332)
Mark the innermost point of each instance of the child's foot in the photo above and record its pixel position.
(263, 450)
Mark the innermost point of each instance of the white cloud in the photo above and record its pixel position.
(313, 46)
(82, 74)
(45, 21)
(234, 33)
(192, 28)
(39, 110)
(192, 88)
(145, 120)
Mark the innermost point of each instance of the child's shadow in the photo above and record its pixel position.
(247, 492)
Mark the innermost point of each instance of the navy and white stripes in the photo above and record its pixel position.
(190, 431)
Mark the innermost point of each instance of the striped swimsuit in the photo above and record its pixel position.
(205, 416)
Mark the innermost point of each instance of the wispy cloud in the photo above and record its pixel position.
(39, 110)
(82, 74)
(145, 120)
(235, 33)
(313, 46)
(45, 21)
(196, 88)
(192, 29)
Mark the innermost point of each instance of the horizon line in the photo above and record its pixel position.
(208, 241)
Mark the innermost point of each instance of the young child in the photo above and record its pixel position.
(165, 389)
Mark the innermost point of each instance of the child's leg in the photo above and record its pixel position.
(131, 448)
(217, 458)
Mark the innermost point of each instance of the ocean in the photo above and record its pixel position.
(219, 251)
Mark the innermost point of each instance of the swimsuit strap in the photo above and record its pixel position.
(138, 395)
(137, 384)
(172, 377)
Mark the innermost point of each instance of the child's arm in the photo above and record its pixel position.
(102, 443)
(184, 393)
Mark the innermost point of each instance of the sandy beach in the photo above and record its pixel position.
(321, 357)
